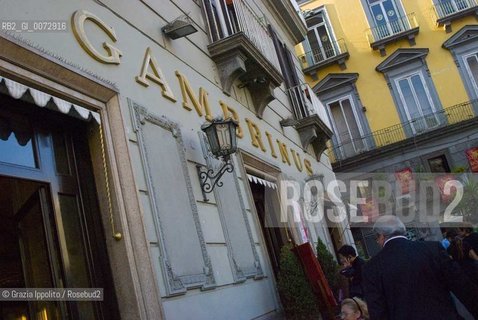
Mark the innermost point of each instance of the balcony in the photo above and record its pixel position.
(447, 11)
(310, 118)
(243, 49)
(288, 12)
(334, 52)
(405, 27)
(426, 127)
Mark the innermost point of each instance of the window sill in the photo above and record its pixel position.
(407, 34)
(446, 20)
(338, 59)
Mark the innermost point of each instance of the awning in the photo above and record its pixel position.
(261, 181)
(44, 100)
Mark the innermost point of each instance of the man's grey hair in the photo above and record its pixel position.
(389, 226)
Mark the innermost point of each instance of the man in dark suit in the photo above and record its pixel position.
(412, 280)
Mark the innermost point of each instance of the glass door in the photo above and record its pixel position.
(471, 66)
(348, 132)
(386, 18)
(58, 230)
(321, 43)
(28, 249)
(417, 103)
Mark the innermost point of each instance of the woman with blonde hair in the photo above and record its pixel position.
(354, 309)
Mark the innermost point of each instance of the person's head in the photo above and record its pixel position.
(451, 234)
(456, 249)
(347, 252)
(353, 309)
(465, 230)
(387, 227)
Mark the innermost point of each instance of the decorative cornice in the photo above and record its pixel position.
(335, 80)
(18, 50)
(401, 57)
(465, 35)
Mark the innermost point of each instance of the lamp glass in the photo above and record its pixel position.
(221, 136)
(182, 32)
(179, 28)
(232, 133)
(212, 138)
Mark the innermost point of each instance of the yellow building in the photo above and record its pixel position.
(398, 79)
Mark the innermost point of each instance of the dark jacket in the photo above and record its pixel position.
(413, 280)
(354, 274)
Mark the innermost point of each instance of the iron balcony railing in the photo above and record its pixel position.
(305, 103)
(392, 27)
(229, 17)
(447, 8)
(345, 147)
(326, 51)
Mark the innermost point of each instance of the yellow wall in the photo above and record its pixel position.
(350, 23)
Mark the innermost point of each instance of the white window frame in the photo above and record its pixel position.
(330, 33)
(357, 120)
(454, 6)
(427, 92)
(400, 12)
(468, 70)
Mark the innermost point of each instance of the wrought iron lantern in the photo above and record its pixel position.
(221, 135)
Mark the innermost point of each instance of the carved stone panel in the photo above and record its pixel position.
(184, 259)
(242, 251)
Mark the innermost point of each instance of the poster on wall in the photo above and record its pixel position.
(405, 180)
(441, 182)
(370, 209)
(472, 156)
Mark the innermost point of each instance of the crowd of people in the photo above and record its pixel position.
(412, 280)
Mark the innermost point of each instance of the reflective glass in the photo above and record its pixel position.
(16, 142)
(409, 100)
(473, 64)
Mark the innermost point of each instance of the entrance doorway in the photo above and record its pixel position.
(51, 234)
(275, 234)
(26, 245)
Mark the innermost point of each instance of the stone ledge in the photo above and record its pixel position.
(238, 58)
(338, 59)
(313, 131)
(407, 34)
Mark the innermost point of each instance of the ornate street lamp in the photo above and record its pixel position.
(221, 135)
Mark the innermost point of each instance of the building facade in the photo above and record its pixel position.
(101, 154)
(398, 80)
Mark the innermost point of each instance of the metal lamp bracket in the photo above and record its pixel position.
(209, 180)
